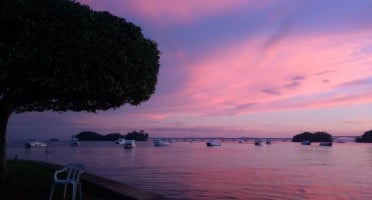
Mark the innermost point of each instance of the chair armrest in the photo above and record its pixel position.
(59, 172)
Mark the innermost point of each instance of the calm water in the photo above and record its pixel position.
(185, 170)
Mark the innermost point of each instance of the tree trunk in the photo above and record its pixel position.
(5, 112)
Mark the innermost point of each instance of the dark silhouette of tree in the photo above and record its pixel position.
(93, 136)
(313, 137)
(366, 137)
(113, 136)
(301, 137)
(63, 56)
(138, 136)
(89, 136)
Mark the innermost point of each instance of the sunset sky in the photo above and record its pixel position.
(239, 68)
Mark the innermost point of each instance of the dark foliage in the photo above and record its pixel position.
(112, 136)
(313, 137)
(89, 136)
(366, 137)
(61, 56)
(93, 136)
(138, 136)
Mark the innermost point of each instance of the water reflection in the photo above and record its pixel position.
(186, 170)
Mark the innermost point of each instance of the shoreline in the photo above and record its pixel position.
(112, 189)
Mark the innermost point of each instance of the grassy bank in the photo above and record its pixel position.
(31, 180)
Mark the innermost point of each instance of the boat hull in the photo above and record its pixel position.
(129, 144)
(34, 143)
(306, 142)
(213, 143)
(161, 143)
(325, 144)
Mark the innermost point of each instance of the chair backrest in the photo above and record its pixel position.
(74, 170)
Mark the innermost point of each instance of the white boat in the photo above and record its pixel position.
(327, 144)
(213, 143)
(129, 144)
(35, 143)
(74, 141)
(120, 141)
(306, 142)
(159, 142)
(257, 142)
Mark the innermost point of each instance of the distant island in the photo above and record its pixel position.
(365, 138)
(94, 136)
(313, 137)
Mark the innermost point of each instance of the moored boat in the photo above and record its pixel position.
(120, 141)
(213, 143)
(129, 144)
(257, 142)
(306, 142)
(74, 141)
(160, 142)
(325, 144)
(34, 143)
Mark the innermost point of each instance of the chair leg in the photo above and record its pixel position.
(51, 192)
(80, 191)
(74, 188)
(64, 192)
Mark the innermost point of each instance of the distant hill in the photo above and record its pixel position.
(313, 137)
(93, 136)
(138, 136)
(366, 137)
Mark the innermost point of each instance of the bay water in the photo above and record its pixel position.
(191, 170)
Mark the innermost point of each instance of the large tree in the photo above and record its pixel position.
(61, 56)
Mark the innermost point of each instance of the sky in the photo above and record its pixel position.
(239, 68)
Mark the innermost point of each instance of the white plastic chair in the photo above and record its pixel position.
(68, 175)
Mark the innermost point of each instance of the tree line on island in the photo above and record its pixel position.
(313, 137)
(94, 136)
(322, 136)
(366, 137)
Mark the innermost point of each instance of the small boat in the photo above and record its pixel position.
(213, 143)
(306, 142)
(34, 143)
(120, 141)
(257, 142)
(129, 144)
(268, 141)
(159, 142)
(74, 141)
(325, 144)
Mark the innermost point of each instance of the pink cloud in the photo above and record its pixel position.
(297, 65)
(246, 73)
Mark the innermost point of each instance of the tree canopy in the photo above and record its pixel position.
(61, 56)
(366, 137)
(93, 136)
(313, 137)
(137, 135)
